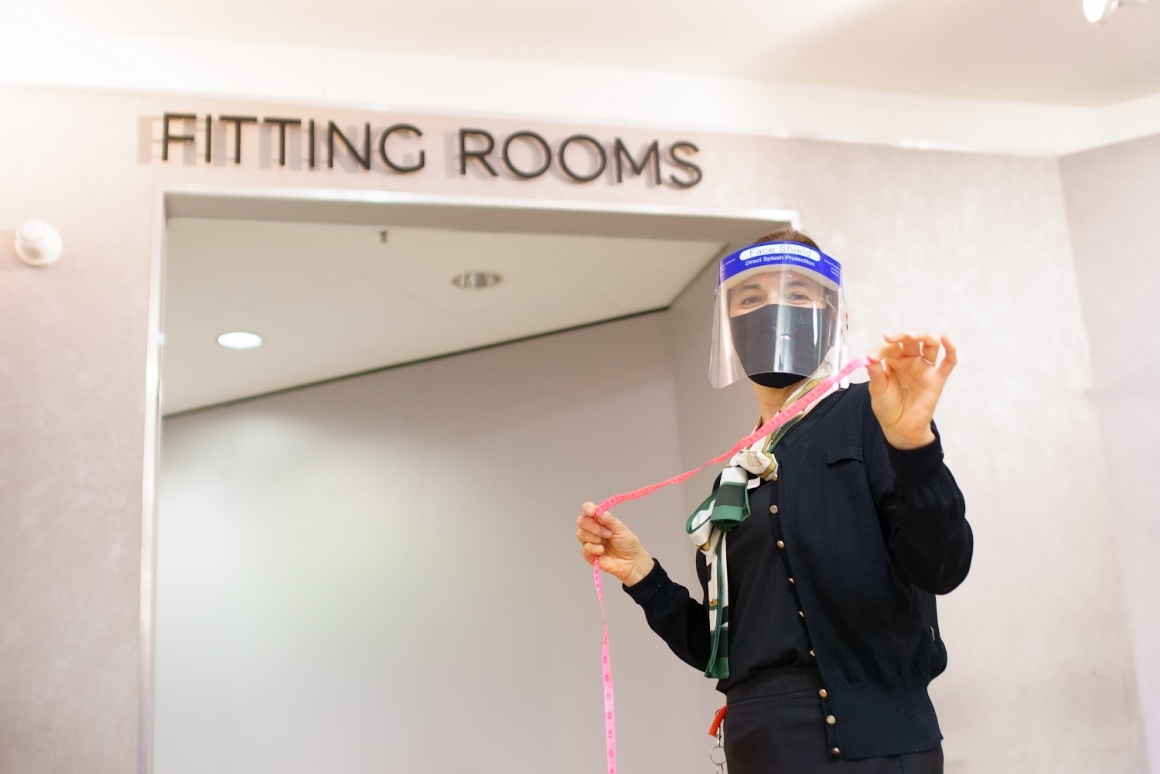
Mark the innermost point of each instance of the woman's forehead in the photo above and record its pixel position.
(774, 274)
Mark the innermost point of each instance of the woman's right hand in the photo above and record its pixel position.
(620, 552)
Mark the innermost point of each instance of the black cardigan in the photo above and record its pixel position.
(871, 533)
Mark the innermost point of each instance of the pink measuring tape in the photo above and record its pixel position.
(778, 419)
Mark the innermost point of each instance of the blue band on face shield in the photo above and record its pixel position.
(790, 254)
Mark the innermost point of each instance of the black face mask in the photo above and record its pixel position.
(779, 345)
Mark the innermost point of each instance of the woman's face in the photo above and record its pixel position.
(779, 286)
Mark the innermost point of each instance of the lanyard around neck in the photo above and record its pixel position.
(812, 396)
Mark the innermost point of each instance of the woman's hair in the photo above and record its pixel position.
(788, 234)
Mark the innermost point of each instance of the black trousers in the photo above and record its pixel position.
(781, 729)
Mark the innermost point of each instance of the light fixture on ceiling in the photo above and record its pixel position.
(1098, 10)
(37, 242)
(471, 280)
(240, 340)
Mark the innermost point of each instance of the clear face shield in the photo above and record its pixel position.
(779, 316)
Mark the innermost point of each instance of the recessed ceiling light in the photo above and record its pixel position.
(240, 340)
(476, 279)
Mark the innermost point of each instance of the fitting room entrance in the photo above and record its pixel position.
(325, 594)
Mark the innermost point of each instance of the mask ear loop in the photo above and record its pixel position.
(843, 350)
(843, 353)
(836, 356)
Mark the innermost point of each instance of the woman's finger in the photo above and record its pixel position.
(950, 360)
(604, 517)
(588, 537)
(887, 350)
(911, 345)
(607, 520)
(594, 528)
(877, 377)
(928, 346)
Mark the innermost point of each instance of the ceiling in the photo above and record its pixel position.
(1039, 51)
(334, 299)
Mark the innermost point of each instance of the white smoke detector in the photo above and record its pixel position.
(37, 242)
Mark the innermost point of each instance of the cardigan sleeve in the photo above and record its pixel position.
(681, 621)
(921, 509)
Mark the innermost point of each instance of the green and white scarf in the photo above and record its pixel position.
(723, 510)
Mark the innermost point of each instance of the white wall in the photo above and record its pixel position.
(381, 573)
(1112, 197)
(1041, 676)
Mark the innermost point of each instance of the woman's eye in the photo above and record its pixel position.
(750, 300)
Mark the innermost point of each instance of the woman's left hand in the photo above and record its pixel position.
(906, 380)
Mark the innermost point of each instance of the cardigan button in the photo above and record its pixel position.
(781, 544)
(823, 692)
(831, 720)
(792, 581)
(834, 751)
(773, 509)
(813, 655)
(801, 614)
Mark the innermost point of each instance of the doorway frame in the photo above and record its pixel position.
(356, 207)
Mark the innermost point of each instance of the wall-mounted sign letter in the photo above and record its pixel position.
(694, 171)
(168, 137)
(545, 153)
(408, 128)
(237, 122)
(478, 154)
(282, 123)
(652, 154)
(363, 159)
(597, 152)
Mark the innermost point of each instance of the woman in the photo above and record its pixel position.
(822, 546)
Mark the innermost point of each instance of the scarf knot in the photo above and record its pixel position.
(719, 514)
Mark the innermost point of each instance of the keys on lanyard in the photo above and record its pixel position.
(717, 751)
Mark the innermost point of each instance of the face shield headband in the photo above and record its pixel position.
(777, 319)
